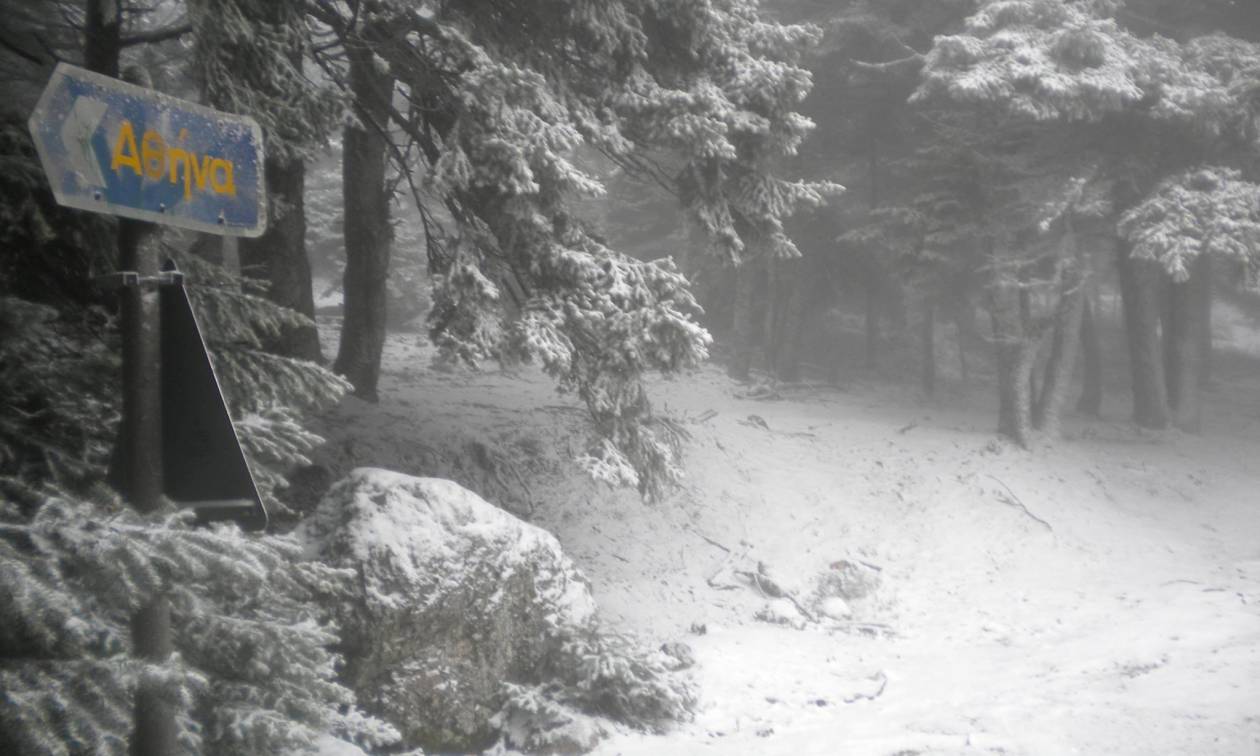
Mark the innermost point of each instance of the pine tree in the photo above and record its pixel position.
(248, 59)
(1150, 108)
(253, 670)
(498, 102)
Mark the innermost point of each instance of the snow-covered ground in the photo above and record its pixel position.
(1101, 596)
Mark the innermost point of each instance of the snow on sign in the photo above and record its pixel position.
(112, 147)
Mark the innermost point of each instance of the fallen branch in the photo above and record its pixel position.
(883, 683)
(1014, 501)
(768, 588)
(712, 542)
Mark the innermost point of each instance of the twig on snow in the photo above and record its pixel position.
(883, 683)
(1014, 501)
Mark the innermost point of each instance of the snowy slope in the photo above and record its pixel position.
(1098, 597)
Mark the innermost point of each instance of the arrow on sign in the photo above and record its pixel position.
(76, 137)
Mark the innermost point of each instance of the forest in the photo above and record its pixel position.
(643, 377)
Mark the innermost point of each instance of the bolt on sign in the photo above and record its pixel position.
(112, 147)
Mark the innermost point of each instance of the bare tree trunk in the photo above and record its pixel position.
(772, 325)
(1139, 290)
(102, 36)
(1015, 357)
(1090, 402)
(1048, 412)
(279, 256)
(796, 278)
(1203, 299)
(928, 346)
(1168, 346)
(743, 325)
(367, 229)
(1026, 323)
(967, 334)
(1183, 344)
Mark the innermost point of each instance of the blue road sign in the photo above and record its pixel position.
(115, 148)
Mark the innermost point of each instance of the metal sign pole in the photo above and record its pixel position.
(141, 368)
(142, 470)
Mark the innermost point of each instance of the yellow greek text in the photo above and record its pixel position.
(125, 152)
(155, 159)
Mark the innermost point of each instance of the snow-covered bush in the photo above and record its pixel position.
(597, 676)
(252, 671)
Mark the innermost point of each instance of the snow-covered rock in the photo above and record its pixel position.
(835, 608)
(456, 597)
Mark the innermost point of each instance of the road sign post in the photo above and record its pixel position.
(120, 148)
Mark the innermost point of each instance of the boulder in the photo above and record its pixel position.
(455, 598)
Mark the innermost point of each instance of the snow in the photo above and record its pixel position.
(1097, 596)
(327, 745)
(422, 527)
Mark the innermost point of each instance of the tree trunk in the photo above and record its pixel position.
(772, 323)
(1203, 325)
(743, 323)
(1139, 290)
(1015, 357)
(279, 257)
(1168, 336)
(1090, 402)
(367, 229)
(1183, 344)
(967, 332)
(1048, 413)
(796, 278)
(928, 345)
(102, 39)
(1026, 324)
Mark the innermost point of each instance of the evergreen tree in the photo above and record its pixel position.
(1152, 107)
(498, 101)
(249, 57)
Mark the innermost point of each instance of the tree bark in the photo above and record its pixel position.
(795, 279)
(772, 318)
(1139, 290)
(1061, 365)
(1203, 324)
(279, 257)
(1183, 344)
(1090, 402)
(967, 333)
(1026, 324)
(367, 229)
(102, 39)
(743, 325)
(1015, 357)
